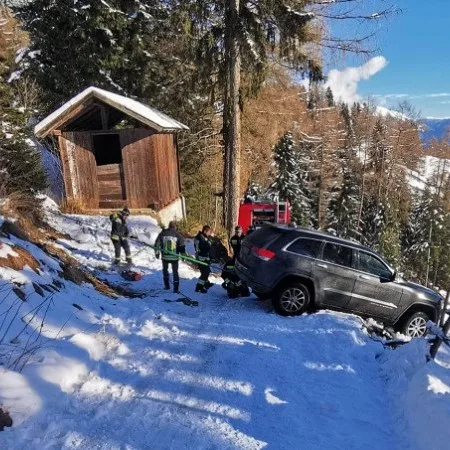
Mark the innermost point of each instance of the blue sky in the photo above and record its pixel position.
(416, 46)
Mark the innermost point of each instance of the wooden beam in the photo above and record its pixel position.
(105, 115)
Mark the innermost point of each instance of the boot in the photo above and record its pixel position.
(176, 288)
(166, 284)
(208, 285)
(201, 288)
(129, 260)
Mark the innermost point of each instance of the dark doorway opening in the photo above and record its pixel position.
(107, 149)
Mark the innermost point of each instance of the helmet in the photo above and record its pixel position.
(238, 228)
(125, 212)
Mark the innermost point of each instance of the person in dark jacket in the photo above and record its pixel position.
(234, 286)
(236, 241)
(202, 244)
(169, 244)
(120, 234)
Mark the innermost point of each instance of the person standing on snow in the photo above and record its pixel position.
(170, 243)
(120, 234)
(236, 241)
(202, 244)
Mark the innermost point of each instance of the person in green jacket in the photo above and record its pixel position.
(169, 244)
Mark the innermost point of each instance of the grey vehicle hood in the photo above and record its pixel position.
(419, 289)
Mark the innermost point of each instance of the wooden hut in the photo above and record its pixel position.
(115, 151)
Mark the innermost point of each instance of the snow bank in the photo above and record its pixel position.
(423, 392)
(17, 397)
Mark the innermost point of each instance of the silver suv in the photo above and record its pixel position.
(301, 269)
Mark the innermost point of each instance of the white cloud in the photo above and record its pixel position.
(442, 94)
(385, 97)
(344, 83)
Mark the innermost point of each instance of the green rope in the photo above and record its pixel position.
(183, 257)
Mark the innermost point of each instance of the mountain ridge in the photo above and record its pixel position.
(434, 128)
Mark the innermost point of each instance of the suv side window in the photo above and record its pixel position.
(370, 264)
(306, 247)
(338, 254)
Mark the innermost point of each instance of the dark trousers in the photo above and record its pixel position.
(118, 245)
(204, 273)
(176, 278)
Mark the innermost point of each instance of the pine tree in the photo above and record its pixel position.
(390, 243)
(342, 214)
(379, 152)
(372, 221)
(20, 164)
(126, 46)
(329, 96)
(252, 192)
(233, 42)
(289, 181)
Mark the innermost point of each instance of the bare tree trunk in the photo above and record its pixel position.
(320, 189)
(430, 234)
(232, 118)
(363, 182)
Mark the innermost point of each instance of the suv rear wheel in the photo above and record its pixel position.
(292, 299)
(416, 325)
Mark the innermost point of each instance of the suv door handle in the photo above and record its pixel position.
(364, 277)
(324, 266)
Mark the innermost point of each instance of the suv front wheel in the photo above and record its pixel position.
(416, 325)
(292, 299)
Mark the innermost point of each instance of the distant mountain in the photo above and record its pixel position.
(434, 128)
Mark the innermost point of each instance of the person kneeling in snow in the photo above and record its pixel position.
(120, 234)
(171, 244)
(232, 283)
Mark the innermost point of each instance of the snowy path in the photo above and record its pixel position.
(153, 373)
(222, 375)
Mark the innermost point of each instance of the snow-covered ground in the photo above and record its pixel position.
(160, 372)
(427, 168)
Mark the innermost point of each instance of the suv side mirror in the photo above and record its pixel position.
(388, 277)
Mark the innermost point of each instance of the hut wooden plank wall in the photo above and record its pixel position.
(104, 167)
(79, 168)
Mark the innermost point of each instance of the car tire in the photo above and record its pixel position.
(416, 325)
(292, 299)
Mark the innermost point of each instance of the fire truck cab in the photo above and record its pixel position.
(255, 213)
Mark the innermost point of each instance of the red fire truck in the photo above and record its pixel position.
(255, 213)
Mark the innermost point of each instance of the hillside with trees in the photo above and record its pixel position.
(344, 167)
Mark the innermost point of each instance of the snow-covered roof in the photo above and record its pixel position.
(143, 113)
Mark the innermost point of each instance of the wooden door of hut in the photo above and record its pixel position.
(110, 173)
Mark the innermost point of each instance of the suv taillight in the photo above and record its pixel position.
(263, 253)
